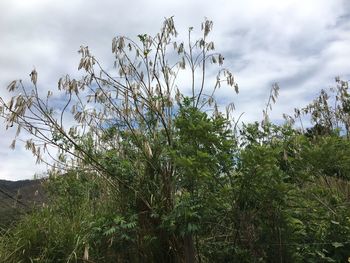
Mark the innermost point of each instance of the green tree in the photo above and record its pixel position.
(124, 132)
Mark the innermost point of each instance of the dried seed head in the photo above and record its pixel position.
(13, 144)
(221, 59)
(207, 26)
(34, 76)
(12, 86)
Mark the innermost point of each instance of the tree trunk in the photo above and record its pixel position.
(189, 249)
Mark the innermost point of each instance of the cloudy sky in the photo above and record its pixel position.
(302, 45)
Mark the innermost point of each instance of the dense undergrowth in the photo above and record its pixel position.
(278, 196)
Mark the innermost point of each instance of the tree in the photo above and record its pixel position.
(126, 131)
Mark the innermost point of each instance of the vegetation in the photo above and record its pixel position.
(18, 198)
(148, 174)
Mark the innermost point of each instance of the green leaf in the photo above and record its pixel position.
(337, 244)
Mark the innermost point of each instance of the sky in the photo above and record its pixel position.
(301, 45)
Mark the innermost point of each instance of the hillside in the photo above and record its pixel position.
(17, 198)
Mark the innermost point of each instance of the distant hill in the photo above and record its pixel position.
(18, 198)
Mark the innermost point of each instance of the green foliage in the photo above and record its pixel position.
(270, 194)
(75, 219)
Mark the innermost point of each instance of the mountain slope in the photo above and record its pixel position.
(18, 198)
